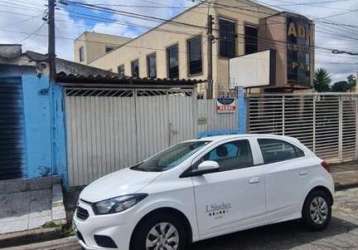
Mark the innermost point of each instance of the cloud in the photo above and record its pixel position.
(18, 19)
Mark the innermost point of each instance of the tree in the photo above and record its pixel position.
(352, 81)
(321, 80)
(341, 86)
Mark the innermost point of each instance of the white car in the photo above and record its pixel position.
(204, 188)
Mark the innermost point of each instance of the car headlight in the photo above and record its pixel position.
(117, 204)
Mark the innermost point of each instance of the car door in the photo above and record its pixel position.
(286, 176)
(234, 197)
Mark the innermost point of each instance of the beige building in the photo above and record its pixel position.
(178, 48)
(89, 46)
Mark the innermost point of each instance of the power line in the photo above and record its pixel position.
(32, 33)
(134, 15)
(339, 14)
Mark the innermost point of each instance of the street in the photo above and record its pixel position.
(342, 233)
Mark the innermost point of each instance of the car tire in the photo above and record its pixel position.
(317, 210)
(143, 235)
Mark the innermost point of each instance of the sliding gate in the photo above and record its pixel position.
(109, 129)
(326, 123)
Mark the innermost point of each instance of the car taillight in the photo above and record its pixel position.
(325, 165)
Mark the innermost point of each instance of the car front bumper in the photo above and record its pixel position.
(113, 226)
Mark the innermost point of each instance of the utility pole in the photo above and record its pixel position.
(51, 39)
(210, 56)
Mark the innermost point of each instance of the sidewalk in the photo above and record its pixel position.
(345, 175)
(29, 204)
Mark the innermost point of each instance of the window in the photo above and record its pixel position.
(152, 66)
(227, 35)
(195, 65)
(231, 155)
(81, 53)
(173, 61)
(276, 150)
(109, 49)
(135, 68)
(250, 40)
(171, 157)
(121, 69)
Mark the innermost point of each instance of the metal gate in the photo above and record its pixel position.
(326, 123)
(108, 129)
(11, 129)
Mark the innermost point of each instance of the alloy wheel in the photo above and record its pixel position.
(319, 210)
(162, 236)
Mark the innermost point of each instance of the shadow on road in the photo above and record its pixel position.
(279, 236)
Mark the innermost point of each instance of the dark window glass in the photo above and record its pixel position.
(109, 49)
(152, 66)
(250, 40)
(135, 68)
(173, 61)
(227, 38)
(231, 155)
(194, 56)
(171, 157)
(276, 150)
(81, 54)
(121, 70)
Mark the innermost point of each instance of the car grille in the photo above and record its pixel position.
(82, 213)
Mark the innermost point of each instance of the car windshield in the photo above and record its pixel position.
(171, 157)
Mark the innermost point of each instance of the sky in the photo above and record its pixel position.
(21, 22)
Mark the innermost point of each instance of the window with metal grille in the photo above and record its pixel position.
(227, 36)
(250, 40)
(135, 68)
(173, 61)
(195, 64)
(120, 70)
(152, 66)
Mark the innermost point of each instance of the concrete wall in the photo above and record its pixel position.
(274, 29)
(157, 40)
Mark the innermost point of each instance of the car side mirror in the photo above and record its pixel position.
(206, 167)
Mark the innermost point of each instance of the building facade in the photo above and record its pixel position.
(178, 48)
(90, 45)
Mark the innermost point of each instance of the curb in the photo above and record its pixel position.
(340, 187)
(66, 243)
(29, 236)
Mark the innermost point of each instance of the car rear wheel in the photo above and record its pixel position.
(317, 210)
(163, 232)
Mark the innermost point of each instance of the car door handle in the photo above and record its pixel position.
(303, 173)
(254, 180)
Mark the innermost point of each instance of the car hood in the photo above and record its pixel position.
(122, 182)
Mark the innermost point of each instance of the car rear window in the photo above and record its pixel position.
(274, 150)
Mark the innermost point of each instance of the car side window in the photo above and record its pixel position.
(274, 150)
(231, 155)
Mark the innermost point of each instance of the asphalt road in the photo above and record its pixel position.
(342, 233)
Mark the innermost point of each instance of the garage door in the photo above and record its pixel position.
(11, 129)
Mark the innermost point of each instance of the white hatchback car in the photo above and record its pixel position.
(204, 188)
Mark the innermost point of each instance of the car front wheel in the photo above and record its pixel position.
(160, 233)
(317, 210)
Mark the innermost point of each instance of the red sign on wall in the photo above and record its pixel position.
(225, 105)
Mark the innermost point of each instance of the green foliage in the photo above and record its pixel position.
(341, 86)
(321, 80)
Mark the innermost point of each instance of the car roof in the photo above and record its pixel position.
(217, 138)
